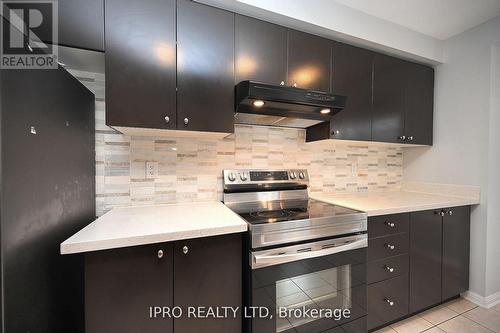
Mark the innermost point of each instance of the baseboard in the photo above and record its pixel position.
(485, 302)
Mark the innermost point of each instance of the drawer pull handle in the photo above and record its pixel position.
(391, 303)
(160, 254)
(185, 249)
(390, 247)
(390, 269)
(390, 224)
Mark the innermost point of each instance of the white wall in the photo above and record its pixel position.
(493, 231)
(467, 143)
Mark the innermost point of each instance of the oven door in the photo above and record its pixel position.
(310, 288)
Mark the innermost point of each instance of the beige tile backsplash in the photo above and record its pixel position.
(191, 169)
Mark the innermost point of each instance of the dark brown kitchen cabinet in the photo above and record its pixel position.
(309, 61)
(403, 100)
(425, 259)
(387, 301)
(81, 24)
(208, 272)
(205, 68)
(456, 246)
(141, 64)
(260, 51)
(352, 77)
(419, 104)
(121, 285)
(388, 99)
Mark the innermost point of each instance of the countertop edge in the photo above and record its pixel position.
(460, 201)
(91, 246)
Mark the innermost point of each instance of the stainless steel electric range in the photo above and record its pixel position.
(303, 256)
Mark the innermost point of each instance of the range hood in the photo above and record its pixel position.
(272, 105)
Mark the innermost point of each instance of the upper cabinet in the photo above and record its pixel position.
(140, 64)
(205, 68)
(309, 61)
(419, 104)
(81, 24)
(403, 99)
(352, 77)
(260, 51)
(389, 78)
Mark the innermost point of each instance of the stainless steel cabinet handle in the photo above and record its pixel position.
(450, 212)
(390, 224)
(186, 121)
(160, 254)
(388, 301)
(442, 213)
(167, 119)
(402, 137)
(282, 83)
(185, 249)
(337, 132)
(390, 269)
(390, 247)
(410, 138)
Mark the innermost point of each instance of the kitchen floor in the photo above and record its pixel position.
(457, 316)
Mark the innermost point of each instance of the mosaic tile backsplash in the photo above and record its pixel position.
(191, 169)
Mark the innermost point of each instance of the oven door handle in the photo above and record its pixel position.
(267, 258)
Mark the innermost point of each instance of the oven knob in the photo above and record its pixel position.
(243, 176)
(293, 175)
(301, 175)
(231, 177)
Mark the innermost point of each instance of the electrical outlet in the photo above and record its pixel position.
(354, 169)
(151, 170)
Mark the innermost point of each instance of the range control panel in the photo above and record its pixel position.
(250, 176)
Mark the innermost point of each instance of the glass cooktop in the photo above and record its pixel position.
(302, 210)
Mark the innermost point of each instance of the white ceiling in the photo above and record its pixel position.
(440, 19)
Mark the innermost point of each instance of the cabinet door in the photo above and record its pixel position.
(352, 77)
(388, 99)
(309, 61)
(140, 63)
(260, 51)
(81, 24)
(122, 284)
(456, 245)
(205, 39)
(208, 272)
(425, 259)
(419, 104)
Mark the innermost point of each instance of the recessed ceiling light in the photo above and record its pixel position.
(258, 103)
(325, 111)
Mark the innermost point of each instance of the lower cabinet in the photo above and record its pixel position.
(425, 259)
(387, 301)
(387, 272)
(416, 261)
(121, 285)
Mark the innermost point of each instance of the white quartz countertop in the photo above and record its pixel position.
(139, 225)
(383, 203)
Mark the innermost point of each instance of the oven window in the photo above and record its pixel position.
(328, 291)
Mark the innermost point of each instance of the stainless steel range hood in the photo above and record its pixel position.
(270, 105)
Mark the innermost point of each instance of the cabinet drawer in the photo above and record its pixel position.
(388, 246)
(388, 224)
(387, 268)
(387, 301)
